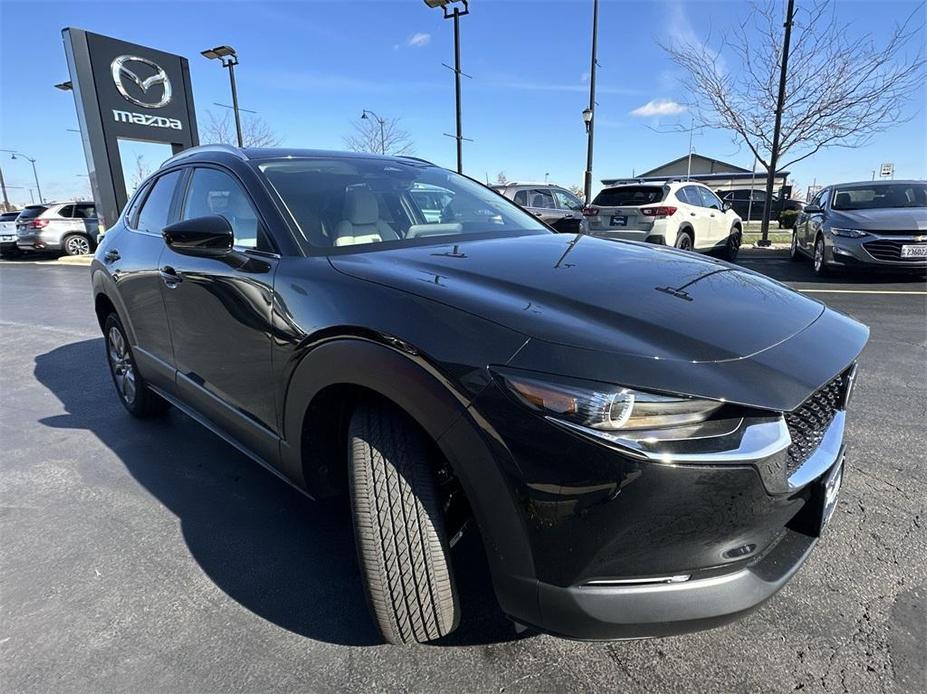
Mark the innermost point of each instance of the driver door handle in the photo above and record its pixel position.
(170, 277)
(111, 256)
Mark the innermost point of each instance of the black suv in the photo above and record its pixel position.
(647, 441)
(739, 200)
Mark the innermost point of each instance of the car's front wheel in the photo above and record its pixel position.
(793, 247)
(131, 388)
(402, 547)
(818, 264)
(76, 244)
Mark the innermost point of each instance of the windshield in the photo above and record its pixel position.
(629, 195)
(359, 202)
(880, 196)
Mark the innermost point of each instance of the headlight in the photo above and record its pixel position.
(848, 233)
(608, 408)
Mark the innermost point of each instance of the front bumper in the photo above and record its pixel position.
(874, 250)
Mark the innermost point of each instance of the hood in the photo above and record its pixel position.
(913, 219)
(597, 294)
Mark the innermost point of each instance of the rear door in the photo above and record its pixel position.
(697, 214)
(85, 214)
(540, 202)
(715, 230)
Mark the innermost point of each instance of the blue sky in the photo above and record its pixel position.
(309, 68)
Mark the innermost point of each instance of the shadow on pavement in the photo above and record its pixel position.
(285, 558)
(777, 264)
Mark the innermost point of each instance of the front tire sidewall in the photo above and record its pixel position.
(401, 542)
(732, 247)
(144, 402)
(818, 259)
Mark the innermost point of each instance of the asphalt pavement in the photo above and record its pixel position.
(152, 557)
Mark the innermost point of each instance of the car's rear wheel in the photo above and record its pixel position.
(818, 263)
(684, 240)
(76, 244)
(402, 547)
(732, 247)
(131, 388)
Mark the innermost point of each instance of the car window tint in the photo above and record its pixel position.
(157, 207)
(66, 211)
(566, 200)
(214, 192)
(692, 196)
(541, 199)
(31, 212)
(135, 205)
(629, 195)
(709, 199)
(85, 211)
(521, 197)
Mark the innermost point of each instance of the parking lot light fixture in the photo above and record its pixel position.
(587, 118)
(13, 154)
(381, 122)
(455, 13)
(589, 113)
(229, 59)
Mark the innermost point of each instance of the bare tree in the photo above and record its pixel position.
(368, 137)
(841, 88)
(501, 178)
(255, 132)
(578, 191)
(140, 171)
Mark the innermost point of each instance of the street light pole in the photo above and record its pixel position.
(381, 122)
(229, 59)
(456, 14)
(589, 114)
(774, 154)
(35, 174)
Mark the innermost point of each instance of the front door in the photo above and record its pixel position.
(219, 311)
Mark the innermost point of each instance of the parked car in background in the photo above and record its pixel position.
(69, 227)
(686, 215)
(867, 224)
(553, 205)
(8, 247)
(648, 442)
(739, 200)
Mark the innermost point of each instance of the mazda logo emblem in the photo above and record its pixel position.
(123, 74)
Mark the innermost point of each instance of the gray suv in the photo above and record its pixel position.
(553, 205)
(869, 224)
(71, 227)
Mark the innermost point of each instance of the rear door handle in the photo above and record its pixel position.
(111, 256)
(170, 277)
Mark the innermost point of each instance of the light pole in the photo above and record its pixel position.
(35, 175)
(229, 59)
(589, 113)
(381, 122)
(456, 14)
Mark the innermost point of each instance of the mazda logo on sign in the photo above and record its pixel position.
(122, 73)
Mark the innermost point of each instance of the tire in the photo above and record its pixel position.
(794, 253)
(76, 244)
(732, 247)
(402, 548)
(818, 264)
(684, 240)
(131, 388)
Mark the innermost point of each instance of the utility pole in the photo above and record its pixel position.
(752, 184)
(589, 113)
(780, 102)
(6, 200)
(689, 165)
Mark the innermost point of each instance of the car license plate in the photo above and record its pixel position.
(619, 220)
(919, 251)
(832, 483)
(7, 237)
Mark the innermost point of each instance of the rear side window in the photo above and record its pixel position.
(85, 211)
(629, 195)
(157, 208)
(32, 211)
(66, 211)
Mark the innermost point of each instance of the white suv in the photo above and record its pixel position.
(684, 214)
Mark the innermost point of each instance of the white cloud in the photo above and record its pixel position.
(658, 107)
(418, 40)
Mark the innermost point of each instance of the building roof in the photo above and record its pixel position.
(716, 165)
(759, 176)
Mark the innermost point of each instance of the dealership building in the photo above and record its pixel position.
(716, 174)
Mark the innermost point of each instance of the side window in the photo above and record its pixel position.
(66, 211)
(136, 204)
(214, 192)
(691, 196)
(759, 196)
(567, 201)
(821, 199)
(85, 211)
(541, 199)
(157, 207)
(521, 197)
(709, 199)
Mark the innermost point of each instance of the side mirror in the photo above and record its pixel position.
(726, 206)
(812, 209)
(209, 236)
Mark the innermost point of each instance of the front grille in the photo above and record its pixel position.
(808, 423)
(890, 250)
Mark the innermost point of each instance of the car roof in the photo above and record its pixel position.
(864, 184)
(208, 152)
